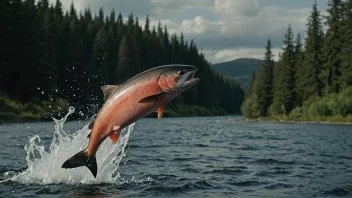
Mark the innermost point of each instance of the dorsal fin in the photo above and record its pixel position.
(108, 90)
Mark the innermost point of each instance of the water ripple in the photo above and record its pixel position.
(194, 157)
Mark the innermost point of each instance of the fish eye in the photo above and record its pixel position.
(181, 72)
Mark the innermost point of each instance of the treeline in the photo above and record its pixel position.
(311, 80)
(47, 53)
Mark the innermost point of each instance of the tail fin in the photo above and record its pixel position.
(82, 159)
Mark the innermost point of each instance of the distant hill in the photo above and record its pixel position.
(239, 69)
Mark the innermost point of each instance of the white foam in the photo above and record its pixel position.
(44, 167)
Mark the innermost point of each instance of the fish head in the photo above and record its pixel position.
(177, 78)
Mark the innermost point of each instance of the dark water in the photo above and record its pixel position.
(203, 157)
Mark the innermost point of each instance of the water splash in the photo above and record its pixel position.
(44, 166)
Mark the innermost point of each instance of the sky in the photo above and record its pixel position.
(223, 30)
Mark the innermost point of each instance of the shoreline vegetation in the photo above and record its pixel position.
(275, 120)
(53, 54)
(312, 80)
(37, 110)
(330, 109)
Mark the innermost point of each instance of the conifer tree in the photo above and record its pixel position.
(300, 69)
(72, 54)
(251, 83)
(332, 49)
(346, 51)
(100, 57)
(313, 58)
(124, 64)
(284, 92)
(265, 82)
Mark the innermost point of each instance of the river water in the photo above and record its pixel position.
(180, 157)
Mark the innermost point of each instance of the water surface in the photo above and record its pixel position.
(183, 157)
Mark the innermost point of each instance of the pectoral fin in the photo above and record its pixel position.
(161, 111)
(114, 136)
(151, 98)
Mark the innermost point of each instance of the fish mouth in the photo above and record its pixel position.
(187, 81)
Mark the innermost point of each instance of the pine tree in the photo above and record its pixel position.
(284, 92)
(124, 64)
(100, 57)
(346, 52)
(332, 48)
(313, 58)
(72, 54)
(265, 82)
(297, 49)
(251, 83)
(300, 69)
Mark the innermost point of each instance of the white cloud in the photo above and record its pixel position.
(241, 24)
(236, 7)
(223, 29)
(268, 21)
(171, 7)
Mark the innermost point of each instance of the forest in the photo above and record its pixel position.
(312, 80)
(52, 58)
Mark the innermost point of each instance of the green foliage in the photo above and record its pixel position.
(11, 110)
(330, 75)
(313, 57)
(346, 51)
(311, 82)
(300, 68)
(251, 83)
(249, 106)
(327, 108)
(259, 92)
(46, 53)
(284, 85)
(192, 110)
(264, 89)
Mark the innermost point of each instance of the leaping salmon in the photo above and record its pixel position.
(130, 101)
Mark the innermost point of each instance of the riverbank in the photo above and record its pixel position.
(37, 110)
(271, 120)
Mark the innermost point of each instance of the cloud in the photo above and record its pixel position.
(225, 29)
(236, 7)
(171, 7)
(269, 21)
(241, 29)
